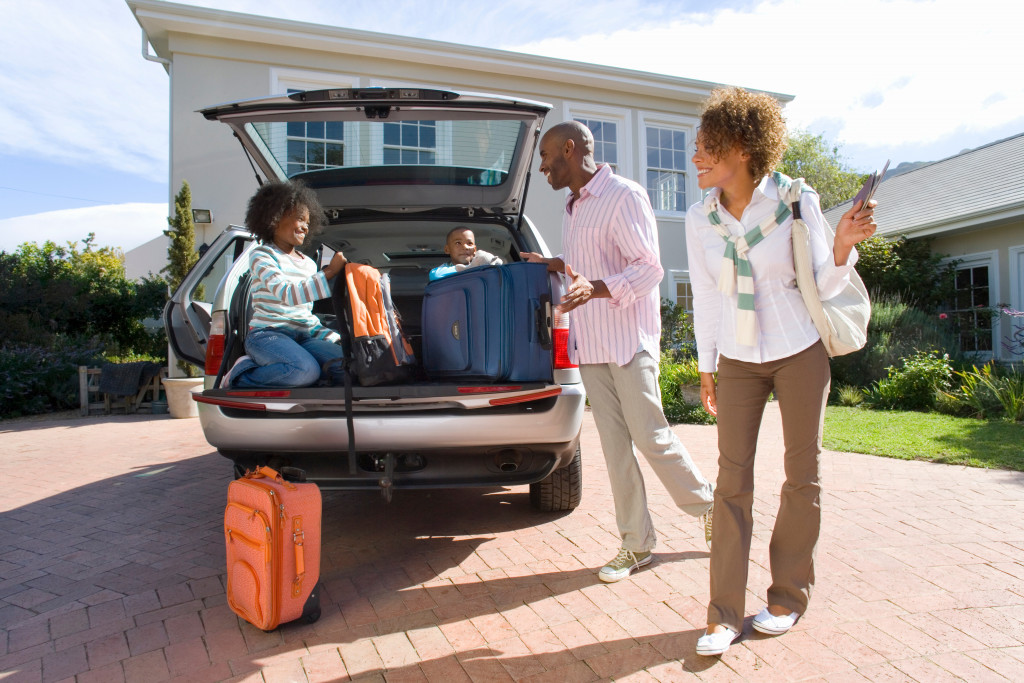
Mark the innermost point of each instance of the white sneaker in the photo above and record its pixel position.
(766, 622)
(225, 381)
(713, 644)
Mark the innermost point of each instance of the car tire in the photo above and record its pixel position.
(561, 490)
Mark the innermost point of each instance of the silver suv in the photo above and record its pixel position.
(395, 169)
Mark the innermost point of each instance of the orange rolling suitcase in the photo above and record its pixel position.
(272, 532)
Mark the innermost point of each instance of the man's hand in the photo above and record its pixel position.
(854, 227)
(581, 290)
(554, 265)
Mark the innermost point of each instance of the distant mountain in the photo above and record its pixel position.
(904, 167)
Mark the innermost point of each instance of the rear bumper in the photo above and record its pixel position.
(442, 448)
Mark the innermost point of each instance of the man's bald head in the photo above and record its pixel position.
(582, 138)
(567, 156)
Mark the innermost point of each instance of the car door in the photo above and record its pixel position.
(187, 315)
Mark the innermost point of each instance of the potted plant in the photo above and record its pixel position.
(181, 257)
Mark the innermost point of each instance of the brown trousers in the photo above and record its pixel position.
(801, 385)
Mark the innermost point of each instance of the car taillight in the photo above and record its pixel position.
(560, 339)
(215, 344)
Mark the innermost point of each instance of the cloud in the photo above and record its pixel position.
(118, 225)
(889, 72)
(879, 72)
(77, 90)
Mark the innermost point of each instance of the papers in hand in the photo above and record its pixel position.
(867, 190)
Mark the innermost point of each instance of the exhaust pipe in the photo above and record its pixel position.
(508, 460)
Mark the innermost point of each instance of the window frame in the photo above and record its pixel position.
(624, 130)
(990, 260)
(283, 79)
(687, 124)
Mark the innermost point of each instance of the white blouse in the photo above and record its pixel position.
(783, 325)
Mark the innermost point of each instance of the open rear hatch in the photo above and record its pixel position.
(393, 149)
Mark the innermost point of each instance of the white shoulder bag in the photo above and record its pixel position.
(842, 321)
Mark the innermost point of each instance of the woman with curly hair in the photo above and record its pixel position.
(753, 329)
(286, 344)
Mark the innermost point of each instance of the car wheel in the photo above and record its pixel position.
(561, 490)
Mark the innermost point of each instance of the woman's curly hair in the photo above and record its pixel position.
(273, 200)
(752, 120)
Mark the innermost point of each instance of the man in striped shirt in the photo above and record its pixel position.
(611, 257)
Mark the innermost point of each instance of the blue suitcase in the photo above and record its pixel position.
(489, 324)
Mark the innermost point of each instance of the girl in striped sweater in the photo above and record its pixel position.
(286, 344)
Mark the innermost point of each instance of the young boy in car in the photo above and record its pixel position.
(460, 245)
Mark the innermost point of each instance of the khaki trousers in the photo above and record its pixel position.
(626, 402)
(801, 385)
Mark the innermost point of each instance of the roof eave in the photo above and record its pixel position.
(159, 19)
(975, 221)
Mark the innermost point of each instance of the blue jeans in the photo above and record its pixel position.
(286, 358)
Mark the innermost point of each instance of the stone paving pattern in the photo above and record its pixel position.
(112, 556)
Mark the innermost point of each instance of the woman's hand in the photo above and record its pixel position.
(854, 227)
(336, 265)
(709, 393)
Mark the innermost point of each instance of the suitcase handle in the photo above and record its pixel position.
(542, 320)
(264, 472)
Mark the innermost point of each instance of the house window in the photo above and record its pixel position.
(684, 295)
(410, 143)
(970, 311)
(606, 141)
(666, 168)
(314, 146)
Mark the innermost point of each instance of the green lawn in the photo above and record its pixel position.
(926, 436)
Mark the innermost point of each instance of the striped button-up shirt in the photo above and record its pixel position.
(283, 292)
(784, 326)
(610, 234)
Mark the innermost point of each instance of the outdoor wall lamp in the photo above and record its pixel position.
(202, 216)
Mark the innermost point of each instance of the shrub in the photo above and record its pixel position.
(36, 379)
(913, 386)
(678, 407)
(849, 395)
(677, 340)
(988, 392)
(908, 270)
(897, 331)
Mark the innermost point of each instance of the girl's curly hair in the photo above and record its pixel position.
(754, 121)
(273, 200)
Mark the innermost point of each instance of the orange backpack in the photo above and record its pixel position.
(371, 329)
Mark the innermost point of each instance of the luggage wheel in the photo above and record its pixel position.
(386, 482)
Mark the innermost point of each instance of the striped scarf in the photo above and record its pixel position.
(736, 275)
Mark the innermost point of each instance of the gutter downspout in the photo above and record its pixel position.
(153, 58)
(172, 358)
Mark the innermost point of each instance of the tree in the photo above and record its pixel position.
(908, 271)
(50, 290)
(817, 161)
(181, 252)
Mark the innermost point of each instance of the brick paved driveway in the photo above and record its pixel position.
(111, 554)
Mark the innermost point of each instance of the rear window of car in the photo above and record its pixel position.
(465, 151)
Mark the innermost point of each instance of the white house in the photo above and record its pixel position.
(644, 123)
(971, 205)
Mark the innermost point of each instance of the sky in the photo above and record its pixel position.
(84, 118)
